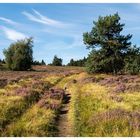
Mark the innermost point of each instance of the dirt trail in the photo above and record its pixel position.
(64, 127)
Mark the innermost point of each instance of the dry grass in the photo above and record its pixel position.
(97, 110)
(27, 105)
(100, 105)
(36, 121)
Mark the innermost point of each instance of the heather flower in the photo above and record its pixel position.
(120, 88)
(48, 104)
(110, 115)
(22, 91)
(3, 83)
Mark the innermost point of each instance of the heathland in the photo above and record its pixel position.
(66, 101)
(99, 98)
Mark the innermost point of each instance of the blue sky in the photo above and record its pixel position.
(58, 28)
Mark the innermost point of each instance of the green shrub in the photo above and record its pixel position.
(132, 63)
(57, 61)
(19, 55)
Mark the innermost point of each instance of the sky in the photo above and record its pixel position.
(57, 29)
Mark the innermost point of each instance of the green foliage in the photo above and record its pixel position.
(97, 62)
(133, 65)
(42, 62)
(19, 55)
(38, 63)
(57, 61)
(80, 63)
(71, 63)
(132, 61)
(2, 61)
(92, 64)
(2, 65)
(109, 46)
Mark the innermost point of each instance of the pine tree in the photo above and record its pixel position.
(108, 45)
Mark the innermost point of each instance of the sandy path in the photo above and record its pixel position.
(64, 127)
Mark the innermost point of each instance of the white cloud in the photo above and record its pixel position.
(13, 34)
(9, 21)
(38, 17)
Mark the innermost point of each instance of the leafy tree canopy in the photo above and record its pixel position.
(19, 55)
(57, 61)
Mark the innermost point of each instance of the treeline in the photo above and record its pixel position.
(19, 56)
(38, 63)
(80, 62)
(2, 61)
(56, 61)
(110, 50)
